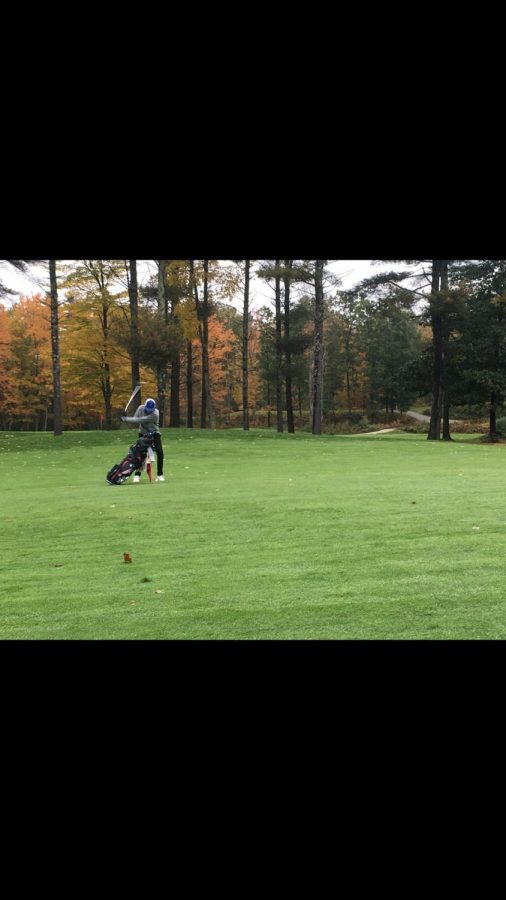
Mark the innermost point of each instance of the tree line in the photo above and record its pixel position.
(71, 353)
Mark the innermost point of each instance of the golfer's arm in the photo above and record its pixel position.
(138, 420)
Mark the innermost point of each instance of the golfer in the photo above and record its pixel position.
(146, 418)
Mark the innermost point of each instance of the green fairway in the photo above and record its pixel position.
(253, 536)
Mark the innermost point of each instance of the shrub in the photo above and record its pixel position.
(415, 427)
(469, 427)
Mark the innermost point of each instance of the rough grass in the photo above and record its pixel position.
(253, 536)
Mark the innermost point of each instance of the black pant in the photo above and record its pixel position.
(157, 441)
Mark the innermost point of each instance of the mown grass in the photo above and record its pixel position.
(253, 536)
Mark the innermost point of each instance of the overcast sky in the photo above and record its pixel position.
(349, 270)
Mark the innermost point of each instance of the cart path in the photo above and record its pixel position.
(420, 417)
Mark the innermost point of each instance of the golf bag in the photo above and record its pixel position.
(132, 462)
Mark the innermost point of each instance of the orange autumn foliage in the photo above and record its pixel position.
(26, 364)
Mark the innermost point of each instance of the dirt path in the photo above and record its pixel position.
(420, 417)
(364, 433)
(413, 415)
(381, 431)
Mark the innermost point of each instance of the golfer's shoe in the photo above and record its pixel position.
(159, 478)
(137, 478)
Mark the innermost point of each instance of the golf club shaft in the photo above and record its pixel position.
(136, 389)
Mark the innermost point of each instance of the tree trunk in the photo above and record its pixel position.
(133, 296)
(200, 320)
(288, 359)
(107, 393)
(317, 379)
(55, 350)
(175, 379)
(446, 348)
(279, 400)
(175, 409)
(106, 366)
(161, 387)
(206, 414)
(245, 348)
(163, 296)
(438, 349)
(310, 386)
(492, 427)
(189, 384)
(446, 419)
(163, 309)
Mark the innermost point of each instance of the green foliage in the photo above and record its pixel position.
(477, 363)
